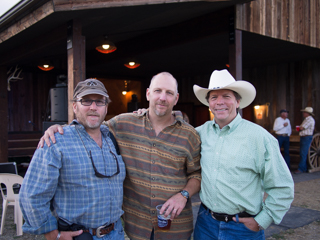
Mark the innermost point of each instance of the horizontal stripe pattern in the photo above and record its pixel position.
(157, 168)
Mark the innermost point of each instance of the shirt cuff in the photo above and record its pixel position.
(263, 219)
(46, 227)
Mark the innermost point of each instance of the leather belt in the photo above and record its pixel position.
(225, 217)
(283, 135)
(101, 231)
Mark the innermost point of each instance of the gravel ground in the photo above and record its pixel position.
(307, 195)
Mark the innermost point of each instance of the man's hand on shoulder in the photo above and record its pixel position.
(140, 111)
(49, 134)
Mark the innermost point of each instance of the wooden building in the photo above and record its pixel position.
(274, 44)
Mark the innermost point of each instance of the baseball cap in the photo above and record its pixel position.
(284, 110)
(90, 86)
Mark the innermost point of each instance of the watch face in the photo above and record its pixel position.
(185, 193)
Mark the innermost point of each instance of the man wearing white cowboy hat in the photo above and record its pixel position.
(239, 162)
(306, 131)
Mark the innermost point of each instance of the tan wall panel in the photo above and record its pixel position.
(296, 21)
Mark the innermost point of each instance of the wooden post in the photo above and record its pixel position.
(4, 115)
(235, 55)
(76, 60)
(235, 51)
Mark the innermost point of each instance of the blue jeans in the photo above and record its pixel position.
(284, 141)
(305, 143)
(209, 228)
(116, 234)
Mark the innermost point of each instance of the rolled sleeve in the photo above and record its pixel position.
(37, 191)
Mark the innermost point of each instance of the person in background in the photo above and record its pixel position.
(76, 186)
(306, 132)
(239, 162)
(283, 131)
(162, 157)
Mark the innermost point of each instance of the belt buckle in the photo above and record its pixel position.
(98, 231)
(212, 215)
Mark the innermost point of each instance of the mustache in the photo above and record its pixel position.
(93, 114)
(162, 103)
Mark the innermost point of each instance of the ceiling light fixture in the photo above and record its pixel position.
(132, 64)
(124, 92)
(45, 65)
(106, 46)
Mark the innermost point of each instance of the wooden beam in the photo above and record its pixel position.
(76, 61)
(64, 5)
(27, 21)
(4, 115)
(235, 50)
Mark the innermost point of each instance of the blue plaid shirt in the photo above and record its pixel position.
(63, 174)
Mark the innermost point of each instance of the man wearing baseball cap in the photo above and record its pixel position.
(305, 131)
(282, 128)
(239, 162)
(75, 187)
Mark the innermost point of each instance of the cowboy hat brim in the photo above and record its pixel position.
(303, 110)
(245, 89)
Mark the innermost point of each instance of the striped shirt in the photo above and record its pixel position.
(63, 174)
(239, 163)
(308, 125)
(157, 167)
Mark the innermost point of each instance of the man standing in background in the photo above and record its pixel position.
(306, 131)
(283, 131)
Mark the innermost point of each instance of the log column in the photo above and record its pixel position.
(4, 115)
(76, 60)
(235, 50)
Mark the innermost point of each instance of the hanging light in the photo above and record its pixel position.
(45, 65)
(124, 92)
(132, 64)
(106, 46)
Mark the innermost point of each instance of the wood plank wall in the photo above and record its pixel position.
(27, 101)
(296, 21)
(292, 86)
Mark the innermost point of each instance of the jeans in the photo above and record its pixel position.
(284, 141)
(305, 143)
(209, 228)
(116, 234)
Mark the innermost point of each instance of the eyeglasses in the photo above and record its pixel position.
(88, 102)
(99, 175)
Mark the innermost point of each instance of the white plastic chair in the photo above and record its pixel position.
(11, 199)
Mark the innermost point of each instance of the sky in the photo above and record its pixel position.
(5, 5)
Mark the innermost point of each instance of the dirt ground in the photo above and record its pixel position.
(307, 195)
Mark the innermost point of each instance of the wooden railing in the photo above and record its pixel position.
(23, 144)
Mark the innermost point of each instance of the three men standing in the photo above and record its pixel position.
(283, 131)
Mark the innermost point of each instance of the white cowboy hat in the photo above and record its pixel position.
(308, 110)
(224, 80)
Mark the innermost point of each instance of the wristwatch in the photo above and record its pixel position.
(185, 194)
(58, 236)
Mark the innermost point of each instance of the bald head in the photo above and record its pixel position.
(164, 74)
